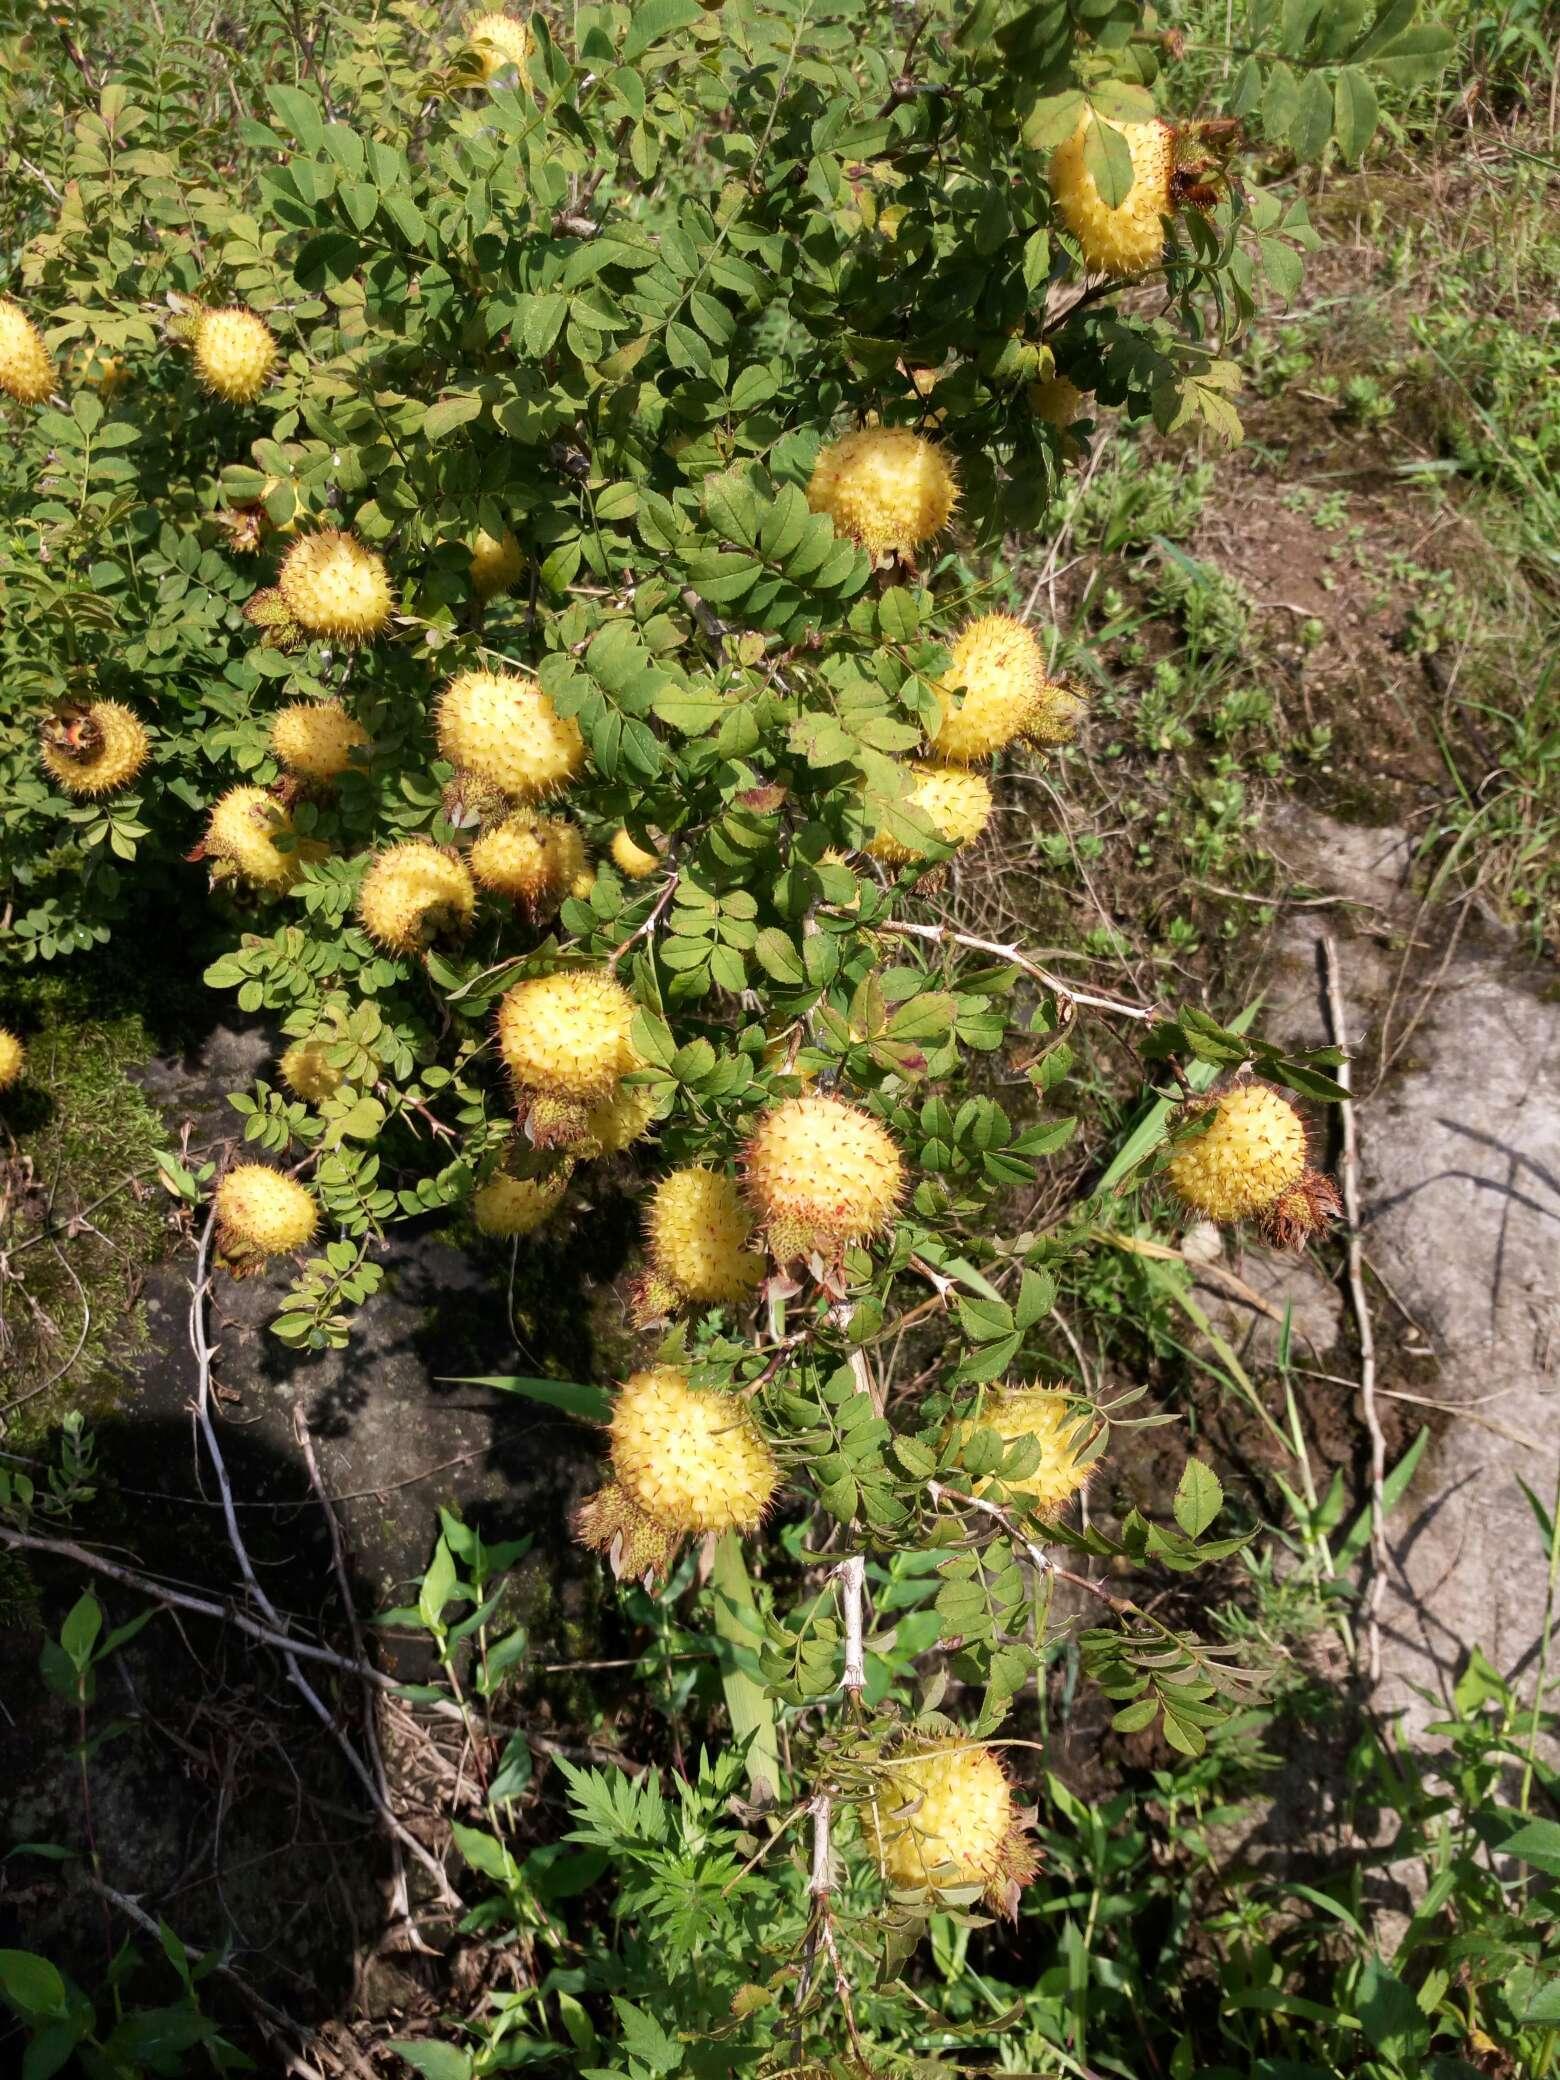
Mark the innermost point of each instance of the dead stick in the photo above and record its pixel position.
(1354, 1263)
(1063, 991)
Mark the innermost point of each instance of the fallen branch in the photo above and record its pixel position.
(1064, 992)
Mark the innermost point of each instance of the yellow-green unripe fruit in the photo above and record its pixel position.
(956, 802)
(566, 1035)
(1047, 1415)
(1056, 401)
(262, 1213)
(244, 828)
(1130, 237)
(13, 1059)
(507, 1206)
(499, 40)
(334, 587)
(316, 739)
(413, 894)
(998, 669)
(822, 1174)
(885, 487)
(697, 1229)
(496, 563)
(534, 860)
(619, 1121)
(96, 750)
(1252, 1150)
(692, 1461)
(941, 1819)
(235, 353)
(505, 730)
(308, 1071)
(632, 860)
(26, 366)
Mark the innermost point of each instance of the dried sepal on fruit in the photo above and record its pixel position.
(1249, 1148)
(884, 487)
(95, 748)
(279, 628)
(634, 1544)
(502, 728)
(1301, 1211)
(335, 588)
(566, 1036)
(235, 353)
(821, 1174)
(27, 370)
(260, 1213)
(414, 893)
(942, 1821)
(316, 739)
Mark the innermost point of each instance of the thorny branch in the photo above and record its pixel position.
(1065, 994)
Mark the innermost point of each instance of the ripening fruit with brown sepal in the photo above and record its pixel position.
(335, 588)
(251, 837)
(94, 749)
(533, 860)
(566, 1036)
(316, 740)
(506, 1206)
(821, 1175)
(501, 727)
(1248, 1159)
(697, 1234)
(1129, 236)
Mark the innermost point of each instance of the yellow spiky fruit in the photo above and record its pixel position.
(822, 1174)
(95, 750)
(334, 587)
(534, 860)
(496, 563)
(631, 859)
(499, 40)
(998, 672)
(506, 1206)
(235, 353)
(308, 1071)
(566, 1035)
(693, 1461)
(1130, 237)
(1056, 401)
(262, 1213)
(1062, 1433)
(619, 1121)
(105, 373)
(26, 365)
(955, 801)
(697, 1231)
(245, 826)
(941, 1819)
(885, 487)
(1252, 1149)
(504, 729)
(13, 1059)
(316, 739)
(414, 893)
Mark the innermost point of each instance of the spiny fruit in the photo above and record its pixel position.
(1063, 1435)
(534, 860)
(884, 486)
(496, 563)
(1130, 237)
(943, 1818)
(566, 1035)
(316, 739)
(822, 1174)
(956, 802)
(96, 749)
(335, 587)
(999, 668)
(308, 1071)
(26, 365)
(244, 828)
(262, 1213)
(499, 40)
(1251, 1150)
(504, 729)
(1056, 401)
(235, 352)
(697, 1230)
(631, 859)
(507, 1206)
(414, 893)
(13, 1059)
(618, 1121)
(693, 1461)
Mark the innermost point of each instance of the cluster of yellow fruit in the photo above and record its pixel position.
(1249, 1160)
(684, 1461)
